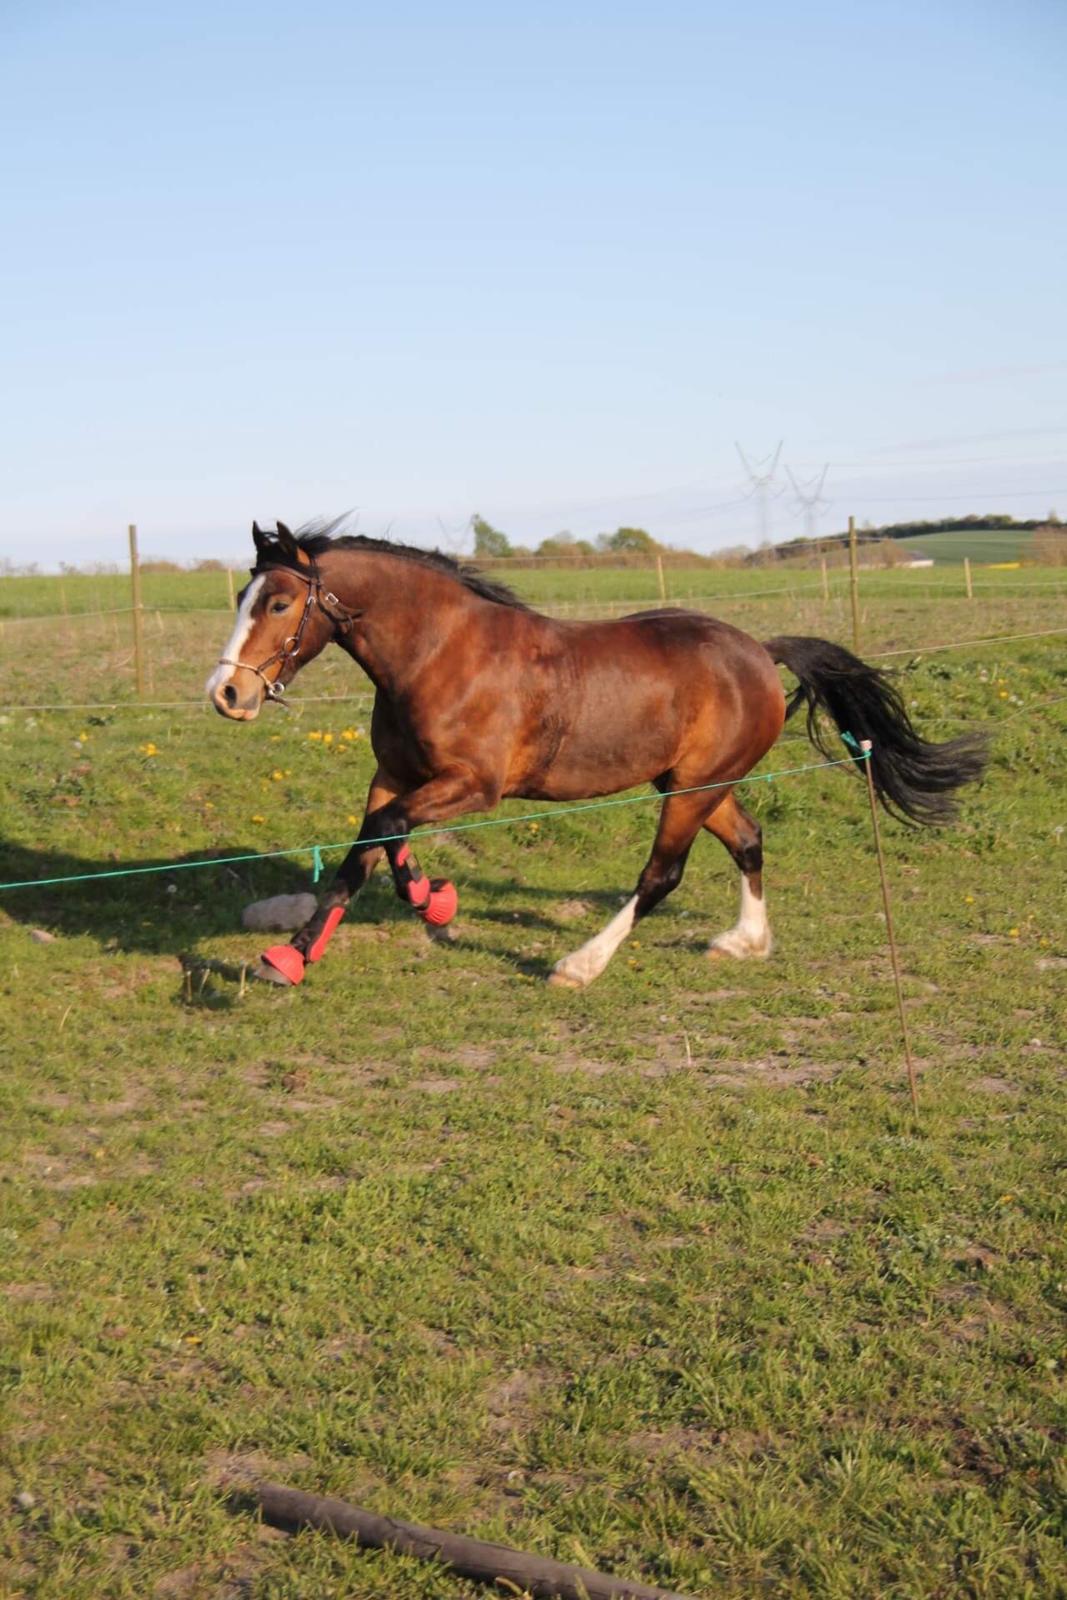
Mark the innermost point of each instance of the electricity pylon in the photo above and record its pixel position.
(760, 475)
(809, 497)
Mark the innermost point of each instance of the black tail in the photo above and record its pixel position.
(912, 779)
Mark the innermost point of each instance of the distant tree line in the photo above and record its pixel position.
(628, 545)
(490, 544)
(631, 546)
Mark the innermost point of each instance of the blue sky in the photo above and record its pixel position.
(265, 260)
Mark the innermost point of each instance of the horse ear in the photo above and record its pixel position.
(259, 539)
(291, 547)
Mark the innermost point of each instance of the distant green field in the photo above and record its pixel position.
(980, 547)
(578, 589)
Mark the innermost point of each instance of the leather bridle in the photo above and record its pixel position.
(330, 606)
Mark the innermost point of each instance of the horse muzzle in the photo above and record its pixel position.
(232, 699)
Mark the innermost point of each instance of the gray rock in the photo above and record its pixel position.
(281, 913)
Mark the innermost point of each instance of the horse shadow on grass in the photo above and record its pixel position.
(166, 908)
(173, 903)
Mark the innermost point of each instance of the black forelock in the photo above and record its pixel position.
(320, 538)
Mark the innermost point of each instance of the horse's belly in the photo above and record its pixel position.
(603, 754)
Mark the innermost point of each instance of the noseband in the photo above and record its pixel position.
(327, 602)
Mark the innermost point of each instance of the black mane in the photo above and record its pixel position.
(318, 540)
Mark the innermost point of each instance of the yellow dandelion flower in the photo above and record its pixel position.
(314, 734)
(1013, 933)
(968, 899)
(149, 749)
(258, 818)
(353, 819)
(277, 774)
(327, 738)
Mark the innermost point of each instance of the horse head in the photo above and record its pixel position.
(281, 624)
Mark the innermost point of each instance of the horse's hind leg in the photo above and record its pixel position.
(750, 937)
(679, 823)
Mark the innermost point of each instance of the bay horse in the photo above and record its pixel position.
(479, 697)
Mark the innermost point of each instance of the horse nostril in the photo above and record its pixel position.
(229, 694)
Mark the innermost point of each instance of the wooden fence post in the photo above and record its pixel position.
(825, 578)
(138, 638)
(229, 585)
(967, 577)
(662, 580)
(63, 607)
(854, 582)
(894, 959)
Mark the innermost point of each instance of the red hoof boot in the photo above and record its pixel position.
(442, 905)
(285, 961)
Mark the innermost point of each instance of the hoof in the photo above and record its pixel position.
(442, 904)
(561, 980)
(728, 947)
(282, 964)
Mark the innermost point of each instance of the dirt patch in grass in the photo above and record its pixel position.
(571, 910)
(772, 1072)
(53, 1172)
(232, 1577)
(587, 1065)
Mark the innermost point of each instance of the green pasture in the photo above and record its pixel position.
(572, 589)
(982, 547)
(660, 1278)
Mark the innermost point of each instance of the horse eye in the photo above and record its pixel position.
(278, 607)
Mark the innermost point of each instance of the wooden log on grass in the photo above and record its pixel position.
(513, 1570)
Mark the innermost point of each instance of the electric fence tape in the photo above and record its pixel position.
(316, 850)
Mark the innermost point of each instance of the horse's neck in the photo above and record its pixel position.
(404, 611)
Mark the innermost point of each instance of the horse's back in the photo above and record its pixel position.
(693, 639)
(658, 692)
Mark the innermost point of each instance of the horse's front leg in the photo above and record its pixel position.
(285, 963)
(389, 819)
(448, 795)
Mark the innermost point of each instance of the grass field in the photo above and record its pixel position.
(982, 547)
(659, 1278)
(87, 595)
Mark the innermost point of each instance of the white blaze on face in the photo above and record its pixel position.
(241, 629)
